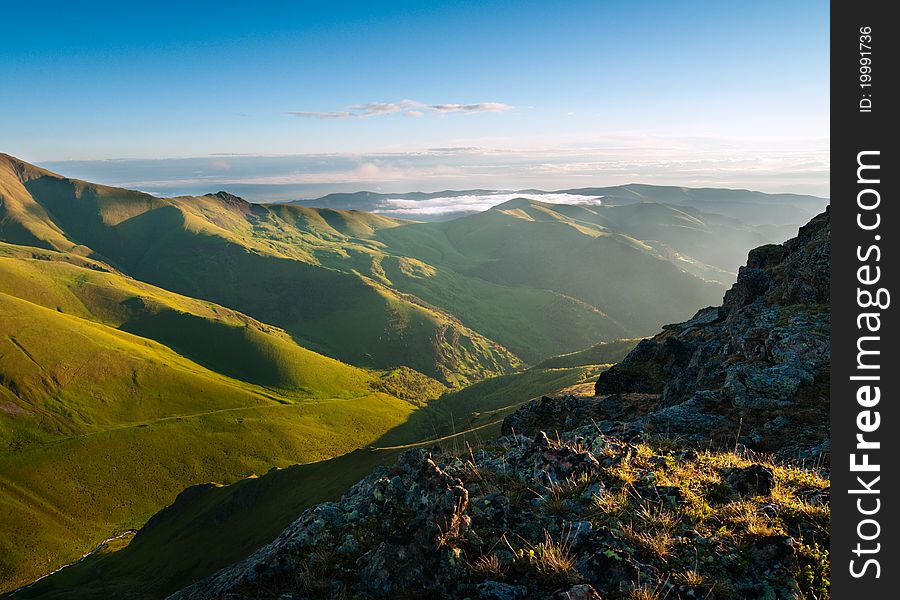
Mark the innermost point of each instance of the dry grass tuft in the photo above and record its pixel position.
(645, 592)
(691, 578)
(553, 562)
(488, 566)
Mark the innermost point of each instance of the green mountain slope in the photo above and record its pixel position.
(207, 527)
(594, 271)
(222, 339)
(600, 354)
(459, 300)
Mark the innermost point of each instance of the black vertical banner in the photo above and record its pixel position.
(865, 421)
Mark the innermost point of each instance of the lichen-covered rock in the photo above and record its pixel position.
(583, 591)
(494, 590)
(554, 464)
(418, 552)
(755, 480)
(544, 518)
(587, 414)
(609, 569)
(563, 413)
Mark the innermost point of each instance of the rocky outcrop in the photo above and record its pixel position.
(233, 201)
(760, 360)
(752, 373)
(767, 340)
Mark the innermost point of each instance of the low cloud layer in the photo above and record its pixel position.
(446, 205)
(408, 108)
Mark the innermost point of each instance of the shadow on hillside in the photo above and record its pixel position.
(208, 527)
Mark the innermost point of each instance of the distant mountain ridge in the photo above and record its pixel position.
(386, 278)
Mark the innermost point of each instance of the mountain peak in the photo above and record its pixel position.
(25, 171)
(230, 198)
(519, 203)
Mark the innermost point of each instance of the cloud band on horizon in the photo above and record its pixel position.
(769, 166)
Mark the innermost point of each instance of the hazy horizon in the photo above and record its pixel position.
(273, 178)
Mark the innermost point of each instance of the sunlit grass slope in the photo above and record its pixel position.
(223, 339)
(116, 395)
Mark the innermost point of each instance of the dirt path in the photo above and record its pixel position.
(182, 417)
(436, 440)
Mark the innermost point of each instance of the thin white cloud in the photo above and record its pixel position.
(408, 108)
(374, 109)
(471, 108)
(323, 115)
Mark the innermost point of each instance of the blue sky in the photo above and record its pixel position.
(366, 94)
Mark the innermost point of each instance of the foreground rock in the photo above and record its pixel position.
(579, 515)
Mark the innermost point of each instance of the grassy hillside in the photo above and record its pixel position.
(208, 527)
(219, 338)
(211, 526)
(115, 395)
(603, 353)
(602, 280)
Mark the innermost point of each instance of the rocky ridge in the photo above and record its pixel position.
(631, 494)
(752, 373)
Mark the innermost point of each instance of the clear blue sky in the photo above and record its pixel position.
(173, 80)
